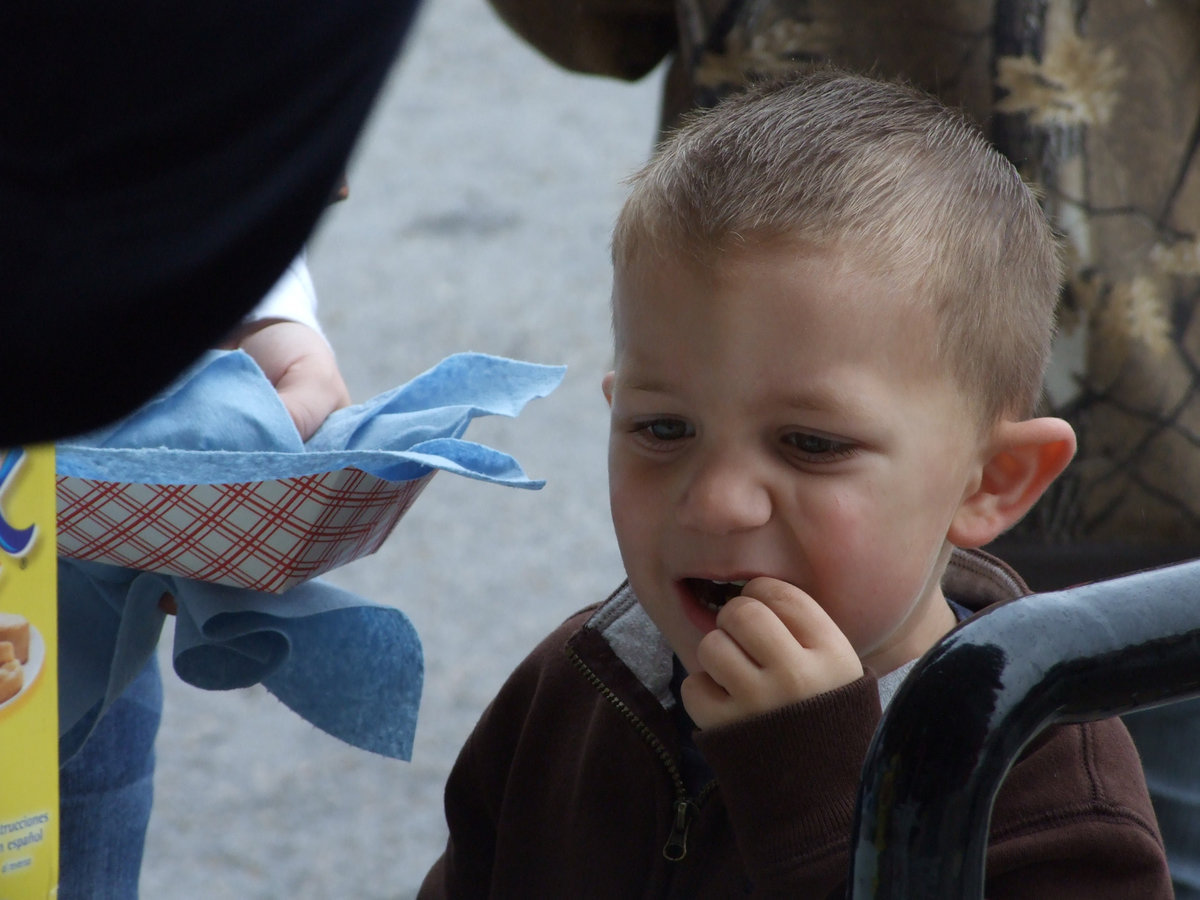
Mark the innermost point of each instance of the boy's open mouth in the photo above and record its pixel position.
(713, 594)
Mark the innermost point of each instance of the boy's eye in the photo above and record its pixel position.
(665, 430)
(817, 447)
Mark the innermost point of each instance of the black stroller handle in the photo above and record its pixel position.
(978, 697)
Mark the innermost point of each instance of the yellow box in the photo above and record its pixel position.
(29, 808)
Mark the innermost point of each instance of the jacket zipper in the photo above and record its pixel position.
(685, 807)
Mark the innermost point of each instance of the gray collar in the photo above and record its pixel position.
(890, 683)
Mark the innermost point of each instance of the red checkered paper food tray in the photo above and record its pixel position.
(263, 535)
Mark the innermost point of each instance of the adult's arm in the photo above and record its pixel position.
(619, 38)
(160, 166)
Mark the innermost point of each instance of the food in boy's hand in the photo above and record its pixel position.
(12, 673)
(15, 630)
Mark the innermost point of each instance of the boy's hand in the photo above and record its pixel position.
(772, 646)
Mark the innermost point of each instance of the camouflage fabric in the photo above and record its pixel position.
(1099, 105)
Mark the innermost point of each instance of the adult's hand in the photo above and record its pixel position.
(301, 365)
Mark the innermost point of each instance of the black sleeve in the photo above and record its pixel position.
(160, 165)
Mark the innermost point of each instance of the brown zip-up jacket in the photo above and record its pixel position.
(571, 785)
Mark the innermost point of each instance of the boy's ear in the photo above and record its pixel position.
(1022, 459)
(606, 386)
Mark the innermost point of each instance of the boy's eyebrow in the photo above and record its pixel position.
(828, 398)
(814, 399)
(650, 386)
(819, 400)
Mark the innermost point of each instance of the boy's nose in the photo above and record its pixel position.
(722, 496)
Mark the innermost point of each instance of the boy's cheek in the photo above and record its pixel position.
(632, 489)
(633, 525)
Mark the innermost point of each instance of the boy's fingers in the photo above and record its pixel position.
(758, 631)
(726, 662)
(704, 700)
(785, 630)
(773, 645)
(801, 614)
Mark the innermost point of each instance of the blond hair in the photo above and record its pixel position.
(887, 174)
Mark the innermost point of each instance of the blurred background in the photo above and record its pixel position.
(481, 200)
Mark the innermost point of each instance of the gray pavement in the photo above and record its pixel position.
(481, 199)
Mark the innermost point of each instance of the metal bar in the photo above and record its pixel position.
(977, 698)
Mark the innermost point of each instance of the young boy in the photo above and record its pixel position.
(832, 306)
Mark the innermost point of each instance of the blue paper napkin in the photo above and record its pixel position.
(351, 667)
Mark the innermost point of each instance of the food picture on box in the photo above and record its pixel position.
(14, 654)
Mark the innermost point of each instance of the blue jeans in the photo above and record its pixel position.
(106, 791)
(1168, 739)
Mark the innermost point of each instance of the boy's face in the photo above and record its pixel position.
(782, 416)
